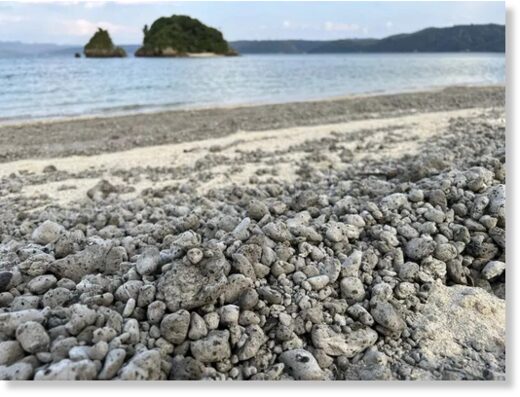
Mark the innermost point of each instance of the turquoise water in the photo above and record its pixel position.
(65, 86)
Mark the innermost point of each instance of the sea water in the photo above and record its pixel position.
(62, 86)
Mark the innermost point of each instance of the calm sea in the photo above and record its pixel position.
(65, 86)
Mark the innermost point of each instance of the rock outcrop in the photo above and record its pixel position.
(101, 46)
(179, 36)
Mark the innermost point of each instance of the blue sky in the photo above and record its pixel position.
(72, 22)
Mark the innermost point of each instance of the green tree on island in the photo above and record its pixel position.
(180, 35)
(101, 46)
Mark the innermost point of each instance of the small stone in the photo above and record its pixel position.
(277, 231)
(56, 297)
(394, 201)
(229, 315)
(212, 320)
(17, 371)
(318, 282)
(145, 365)
(186, 286)
(248, 299)
(113, 362)
(68, 370)
(352, 288)
(438, 197)
(198, 328)
(195, 255)
(81, 317)
(434, 215)
(5, 279)
(148, 261)
(48, 232)
(257, 210)
(213, 348)
(256, 338)
(445, 252)
(384, 314)
(419, 248)
(188, 239)
(186, 368)
(32, 337)
(41, 284)
(10, 352)
(101, 190)
(99, 351)
(336, 344)
(415, 195)
(129, 307)
(175, 326)
(302, 365)
(155, 311)
(493, 269)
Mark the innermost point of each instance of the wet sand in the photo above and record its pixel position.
(88, 136)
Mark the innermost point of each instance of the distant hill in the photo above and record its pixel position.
(17, 48)
(180, 35)
(462, 38)
(470, 38)
(275, 46)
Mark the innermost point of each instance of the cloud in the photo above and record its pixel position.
(296, 25)
(6, 18)
(83, 27)
(94, 4)
(389, 24)
(340, 27)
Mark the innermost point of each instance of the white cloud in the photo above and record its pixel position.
(337, 27)
(82, 27)
(287, 24)
(94, 4)
(6, 18)
(389, 25)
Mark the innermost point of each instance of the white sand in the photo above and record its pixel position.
(409, 132)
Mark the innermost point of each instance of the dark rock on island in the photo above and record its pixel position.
(181, 36)
(101, 46)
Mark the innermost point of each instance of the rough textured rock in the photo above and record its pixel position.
(337, 344)
(213, 348)
(32, 337)
(188, 286)
(302, 365)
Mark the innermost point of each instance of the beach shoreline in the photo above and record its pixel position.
(167, 108)
(89, 135)
(372, 227)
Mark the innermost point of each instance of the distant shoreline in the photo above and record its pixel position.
(94, 135)
(471, 38)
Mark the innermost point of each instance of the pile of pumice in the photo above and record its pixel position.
(327, 277)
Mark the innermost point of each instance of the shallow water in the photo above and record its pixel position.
(64, 86)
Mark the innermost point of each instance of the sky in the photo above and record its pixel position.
(73, 22)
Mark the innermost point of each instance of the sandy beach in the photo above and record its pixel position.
(92, 135)
(230, 243)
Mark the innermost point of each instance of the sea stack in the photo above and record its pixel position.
(101, 46)
(182, 36)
